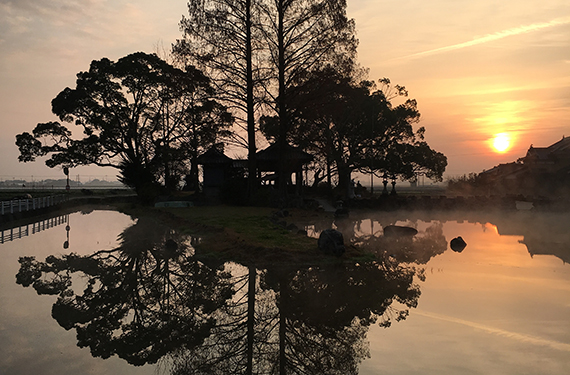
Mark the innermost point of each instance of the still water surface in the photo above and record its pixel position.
(136, 290)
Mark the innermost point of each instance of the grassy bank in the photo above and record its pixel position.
(226, 229)
(245, 234)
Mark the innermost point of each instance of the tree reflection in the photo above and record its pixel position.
(139, 301)
(325, 313)
(311, 320)
(240, 342)
(419, 249)
(150, 298)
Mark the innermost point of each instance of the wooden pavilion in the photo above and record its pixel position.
(218, 167)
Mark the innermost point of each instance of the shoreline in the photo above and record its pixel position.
(265, 236)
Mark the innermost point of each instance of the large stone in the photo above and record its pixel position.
(457, 244)
(397, 231)
(331, 241)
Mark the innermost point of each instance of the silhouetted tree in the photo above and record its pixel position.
(222, 37)
(356, 127)
(302, 36)
(139, 115)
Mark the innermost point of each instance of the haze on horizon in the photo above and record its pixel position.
(477, 69)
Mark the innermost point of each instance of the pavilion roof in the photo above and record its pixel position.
(214, 156)
(270, 158)
(272, 153)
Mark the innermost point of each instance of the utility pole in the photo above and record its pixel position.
(66, 172)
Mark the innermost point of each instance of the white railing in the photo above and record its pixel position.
(15, 233)
(23, 205)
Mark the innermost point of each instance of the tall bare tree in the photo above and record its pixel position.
(302, 36)
(221, 37)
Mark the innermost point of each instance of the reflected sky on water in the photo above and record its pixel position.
(490, 309)
(502, 305)
(31, 342)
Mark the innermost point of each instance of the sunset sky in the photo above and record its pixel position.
(477, 68)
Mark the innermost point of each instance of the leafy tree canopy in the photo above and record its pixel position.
(140, 115)
(356, 126)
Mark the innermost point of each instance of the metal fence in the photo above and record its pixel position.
(23, 205)
(15, 233)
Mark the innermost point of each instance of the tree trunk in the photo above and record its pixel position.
(194, 175)
(194, 166)
(252, 150)
(250, 319)
(329, 177)
(282, 326)
(344, 181)
(281, 103)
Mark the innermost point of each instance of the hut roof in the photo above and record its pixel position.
(214, 156)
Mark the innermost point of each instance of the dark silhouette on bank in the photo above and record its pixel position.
(240, 79)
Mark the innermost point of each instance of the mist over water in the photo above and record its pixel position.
(498, 306)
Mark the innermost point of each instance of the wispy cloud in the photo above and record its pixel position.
(501, 332)
(492, 37)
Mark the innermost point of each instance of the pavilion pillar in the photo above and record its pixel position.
(299, 181)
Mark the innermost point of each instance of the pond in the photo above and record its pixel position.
(100, 293)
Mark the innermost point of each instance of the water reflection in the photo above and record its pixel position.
(311, 320)
(10, 232)
(138, 301)
(152, 298)
(543, 233)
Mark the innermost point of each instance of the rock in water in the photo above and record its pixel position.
(331, 241)
(457, 244)
(399, 231)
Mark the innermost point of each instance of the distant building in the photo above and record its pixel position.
(542, 172)
(552, 159)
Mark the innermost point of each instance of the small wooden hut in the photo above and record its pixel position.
(217, 168)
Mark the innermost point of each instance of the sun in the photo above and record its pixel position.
(501, 142)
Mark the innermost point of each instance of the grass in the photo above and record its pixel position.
(248, 235)
(250, 226)
(228, 232)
